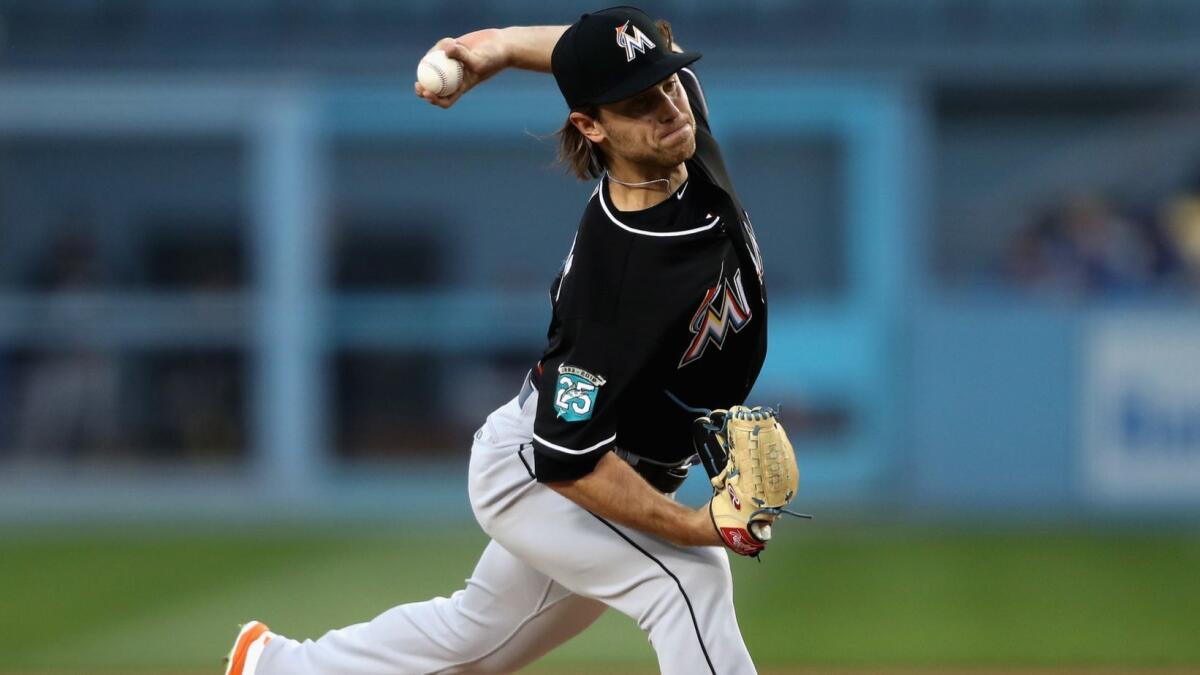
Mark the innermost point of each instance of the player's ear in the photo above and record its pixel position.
(589, 126)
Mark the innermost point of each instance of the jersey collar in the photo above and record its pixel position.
(602, 194)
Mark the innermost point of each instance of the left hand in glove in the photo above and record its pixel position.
(753, 472)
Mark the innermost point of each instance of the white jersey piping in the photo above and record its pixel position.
(604, 205)
(569, 451)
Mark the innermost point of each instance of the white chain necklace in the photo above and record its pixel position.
(642, 184)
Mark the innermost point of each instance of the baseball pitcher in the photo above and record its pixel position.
(658, 332)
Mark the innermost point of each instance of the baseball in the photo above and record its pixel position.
(440, 74)
(761, 529)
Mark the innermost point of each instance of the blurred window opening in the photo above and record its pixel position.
(386, 405)
(193, 254)
(98, 406)
(121, 213)
(405, 405)
(386, 254)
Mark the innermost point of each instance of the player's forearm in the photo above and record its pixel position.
(614, 491)
(529, 47)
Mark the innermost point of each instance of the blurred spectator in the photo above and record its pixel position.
(1102, 249)
(1084, 246)
(69, 406)
(1181, 217)
(69, 401)
(73, 261)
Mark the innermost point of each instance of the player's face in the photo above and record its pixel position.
(655, 127)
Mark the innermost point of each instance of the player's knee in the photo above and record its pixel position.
(719, 567)
(461, 614)
(709, 565)
(705, 586)
(680, 604)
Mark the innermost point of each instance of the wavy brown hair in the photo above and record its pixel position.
(576, 153)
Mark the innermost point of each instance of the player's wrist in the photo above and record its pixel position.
(501, 43)
(704, 532)
(529, 47)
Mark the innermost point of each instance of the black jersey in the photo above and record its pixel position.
(656, 313)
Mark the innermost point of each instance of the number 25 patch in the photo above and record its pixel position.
(575, 394)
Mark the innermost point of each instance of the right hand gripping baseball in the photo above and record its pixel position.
(482, 55)
(753, 472)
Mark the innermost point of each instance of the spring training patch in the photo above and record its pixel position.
(575, 394)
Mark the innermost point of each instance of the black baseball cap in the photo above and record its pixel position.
(612, 54)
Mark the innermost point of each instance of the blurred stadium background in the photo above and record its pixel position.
(255, 297)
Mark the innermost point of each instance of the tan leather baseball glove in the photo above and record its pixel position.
(753, 472)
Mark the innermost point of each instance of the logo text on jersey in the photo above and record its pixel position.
(752, 246)
(631, 39)
(723, 309)
(575, 393)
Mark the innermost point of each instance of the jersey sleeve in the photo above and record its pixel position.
(583, 383)
(695, 92)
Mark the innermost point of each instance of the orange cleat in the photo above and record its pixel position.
(247, 648)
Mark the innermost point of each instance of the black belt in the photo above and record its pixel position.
(662, 476)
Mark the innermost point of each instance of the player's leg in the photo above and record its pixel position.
(564, 615)
(507, 616)
(681, 596)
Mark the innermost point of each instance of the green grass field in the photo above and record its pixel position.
(830, 597)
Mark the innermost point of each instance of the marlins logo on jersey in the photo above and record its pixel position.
(631, 38)
(752, 245)
(724, 308)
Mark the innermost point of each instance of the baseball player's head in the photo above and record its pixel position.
(617, 72)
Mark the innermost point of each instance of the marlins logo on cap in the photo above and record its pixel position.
(630, 38)
(590, 72)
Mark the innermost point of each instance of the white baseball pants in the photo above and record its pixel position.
(550, 570)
